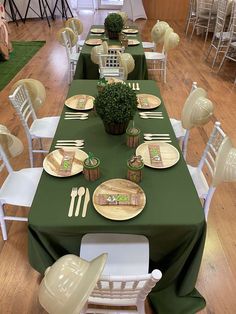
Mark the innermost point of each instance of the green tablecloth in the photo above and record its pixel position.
(86, 69)
(173, 219)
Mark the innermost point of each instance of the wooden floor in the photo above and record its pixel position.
(216, 281)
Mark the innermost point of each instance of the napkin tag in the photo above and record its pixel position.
(81, 102)
(143, 102)
(118, 199)
(155, 155)
(66, 163)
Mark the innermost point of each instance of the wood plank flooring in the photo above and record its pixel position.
(216, 281)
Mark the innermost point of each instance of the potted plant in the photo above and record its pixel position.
(113, 25)
(116, 106)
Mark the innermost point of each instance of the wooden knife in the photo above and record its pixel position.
(86, 201)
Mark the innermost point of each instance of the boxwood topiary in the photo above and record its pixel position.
(117, 103)
(114, 23)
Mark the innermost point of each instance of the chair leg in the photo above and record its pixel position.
(31, 154)
(194, 26)
(3, 223)
(165, 71)
(209, 51)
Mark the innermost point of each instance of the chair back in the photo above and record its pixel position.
(67, 43)
(4, 162)
(204, 7)
(232, 25)
(109, 66)
(123, 291)
(221, 16)
(21, 101)
(209, 155)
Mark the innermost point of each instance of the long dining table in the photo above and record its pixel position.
(86, 69)
(172, 219)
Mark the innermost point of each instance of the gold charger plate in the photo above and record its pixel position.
(169, 154)
(133, 42)
(148, 101)
(97, 31)
(80, 102)
(119, 212)
(53, 160)
(130, 31)
(93, 42)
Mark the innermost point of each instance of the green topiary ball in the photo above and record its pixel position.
(117, 104)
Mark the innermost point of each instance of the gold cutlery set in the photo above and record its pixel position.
(75, 115)
(69, 143)
(151, 115)
(134, 86)
(80, 192)
(162, 137)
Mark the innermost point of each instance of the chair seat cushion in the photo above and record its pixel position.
(44, 127)
(20, 186)
(148, 45)
(199, 181)
(178, 128)
(154, 55)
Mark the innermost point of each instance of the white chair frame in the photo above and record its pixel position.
(35, 129)
(191, 17)
(72, 55)
(182, 134)
(80, 42)
(109, 66)
(204, 17)
(157, 61)
(220, 36)
(125, 280)
(18, 189)
(231, 46)
(206, 165)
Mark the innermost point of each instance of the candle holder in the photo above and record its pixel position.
(91, 169)
(132, 137)
(134, 169)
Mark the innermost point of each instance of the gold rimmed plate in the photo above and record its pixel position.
(55, 162)
(80, 102)
(148, 101)
(119, 199)
(130, 31)
(158, 155)
(93, 42)
(133, 42)
(97, 30)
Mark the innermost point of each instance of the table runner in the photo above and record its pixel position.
(173, 218)
(86, 69)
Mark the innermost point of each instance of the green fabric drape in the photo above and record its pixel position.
(86, 69)
(172, 219)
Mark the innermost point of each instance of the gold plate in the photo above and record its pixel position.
(148, 101)
(93, 42)
(169, 154)
(119, 212)
(80, 102)
(97, 30)
(52, 162)
(133, 42)
(130, 31)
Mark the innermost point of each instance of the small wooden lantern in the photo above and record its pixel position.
(132, 137)
(134, 169)
(91, 169)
